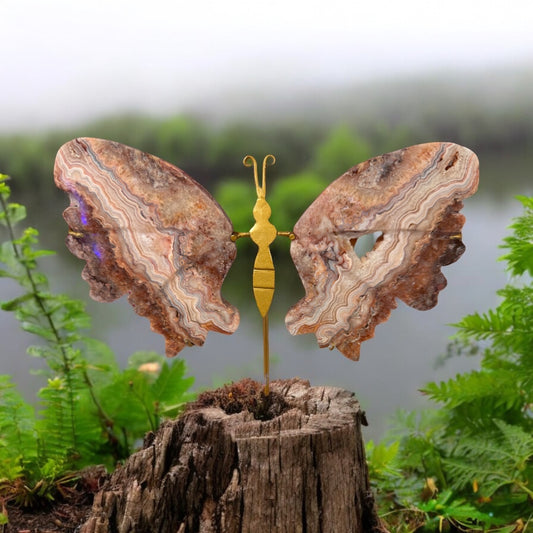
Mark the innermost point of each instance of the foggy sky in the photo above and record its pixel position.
(64, 61)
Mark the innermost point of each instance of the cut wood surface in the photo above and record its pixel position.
(208, 471)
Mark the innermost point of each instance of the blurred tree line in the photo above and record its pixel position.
(310, 152)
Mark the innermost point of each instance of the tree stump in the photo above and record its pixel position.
(208, 471)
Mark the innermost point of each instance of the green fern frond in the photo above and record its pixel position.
(493, 459)
(17, 427)
(520, 257)
(447, 507)
(484, 326)
(57, 320)
(479, 452)
(383, 460)
(477, 386)
(57, 427)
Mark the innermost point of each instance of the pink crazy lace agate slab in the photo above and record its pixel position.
(148, 230)
(413, 197)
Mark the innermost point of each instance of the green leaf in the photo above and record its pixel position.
(382, 459)
(98, 353)
(448, 506)
(129, 388)
(8, 256)
(17, 420)
(41, 351)
(170, 388)
(520, 244)
(495, 459)
(14, 213)
(40, 331)
(15, 303)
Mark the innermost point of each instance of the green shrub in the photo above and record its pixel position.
(89, 411)
(469, 465)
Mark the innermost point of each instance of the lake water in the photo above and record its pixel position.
(393, 366)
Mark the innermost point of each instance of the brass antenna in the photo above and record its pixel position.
(250, 161)
(268, 160)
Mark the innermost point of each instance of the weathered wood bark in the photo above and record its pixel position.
(210, 472)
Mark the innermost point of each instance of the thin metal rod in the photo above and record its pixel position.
(266, 363)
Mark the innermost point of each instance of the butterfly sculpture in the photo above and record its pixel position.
(148, 230)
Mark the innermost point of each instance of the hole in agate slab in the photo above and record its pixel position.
(366, 243)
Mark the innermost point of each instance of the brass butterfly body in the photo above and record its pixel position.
(263, 233)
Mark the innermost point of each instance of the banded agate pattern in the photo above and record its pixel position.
(146, 229)
(413, 197)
